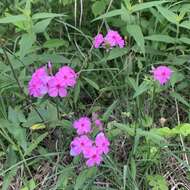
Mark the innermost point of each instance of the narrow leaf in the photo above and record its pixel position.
(136, 32)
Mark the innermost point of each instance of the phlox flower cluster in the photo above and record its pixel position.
(83, 144)
(41, 83)
(112, 39)
(162, 74)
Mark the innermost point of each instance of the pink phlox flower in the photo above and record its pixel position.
(162, 74)
(83, 125)
(38, 84)
(75, 148)
(102, 143)
(113, 38)
(56, 87)
(98, 40)
(67, 75)
(93, 156)
(79, 145)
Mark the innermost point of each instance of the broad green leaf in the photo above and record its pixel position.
(160, 38)
(12, 19)
(142, 6)
(92, 83)
(157, 182)
(54, 58)
(136, 32)
(31, 185)
(54, 43)
(124, 127)
(109, 111)
(83, 177)
(41, 26)
(35, 144)
(46, 15)
(98, 7)
(182, 129)
(176, 77)
(12, 116)
(19, 133)
(26, 43)
(164, 131)
(141, 89)
(168, 14)
(185, 24)
(185, 40)
(110, 14)
(132, 83)
(116, 52)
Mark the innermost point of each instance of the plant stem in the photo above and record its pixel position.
(19, 84)
(178, 121)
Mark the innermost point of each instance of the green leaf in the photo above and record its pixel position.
(35, 144)
(54, 58)
(160, 38)
(182, 129)
(136, 32)
(83, 177)
(12, 19)
(98, 7)
(63, 179)
(109, 111)
(157, 182)
(92, 83)
(142, 6)
(176, 77)
(169, 15)
(180, 98)
(54, 43)
(116, 52)
(164, 131)
(41, 26)
(31, 185)
(141, 89)
(77, 92)
(110, 14)
(185, 40)
(11, 159)
(185, 24)
(46, 15)
(132, 83)
(26, 43)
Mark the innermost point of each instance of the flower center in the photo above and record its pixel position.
(163, 73)
(94, 156)
(65, 77)
(58, 85)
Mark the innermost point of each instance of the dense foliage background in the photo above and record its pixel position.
(147, 124)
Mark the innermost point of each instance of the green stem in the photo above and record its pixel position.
(153, 100)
